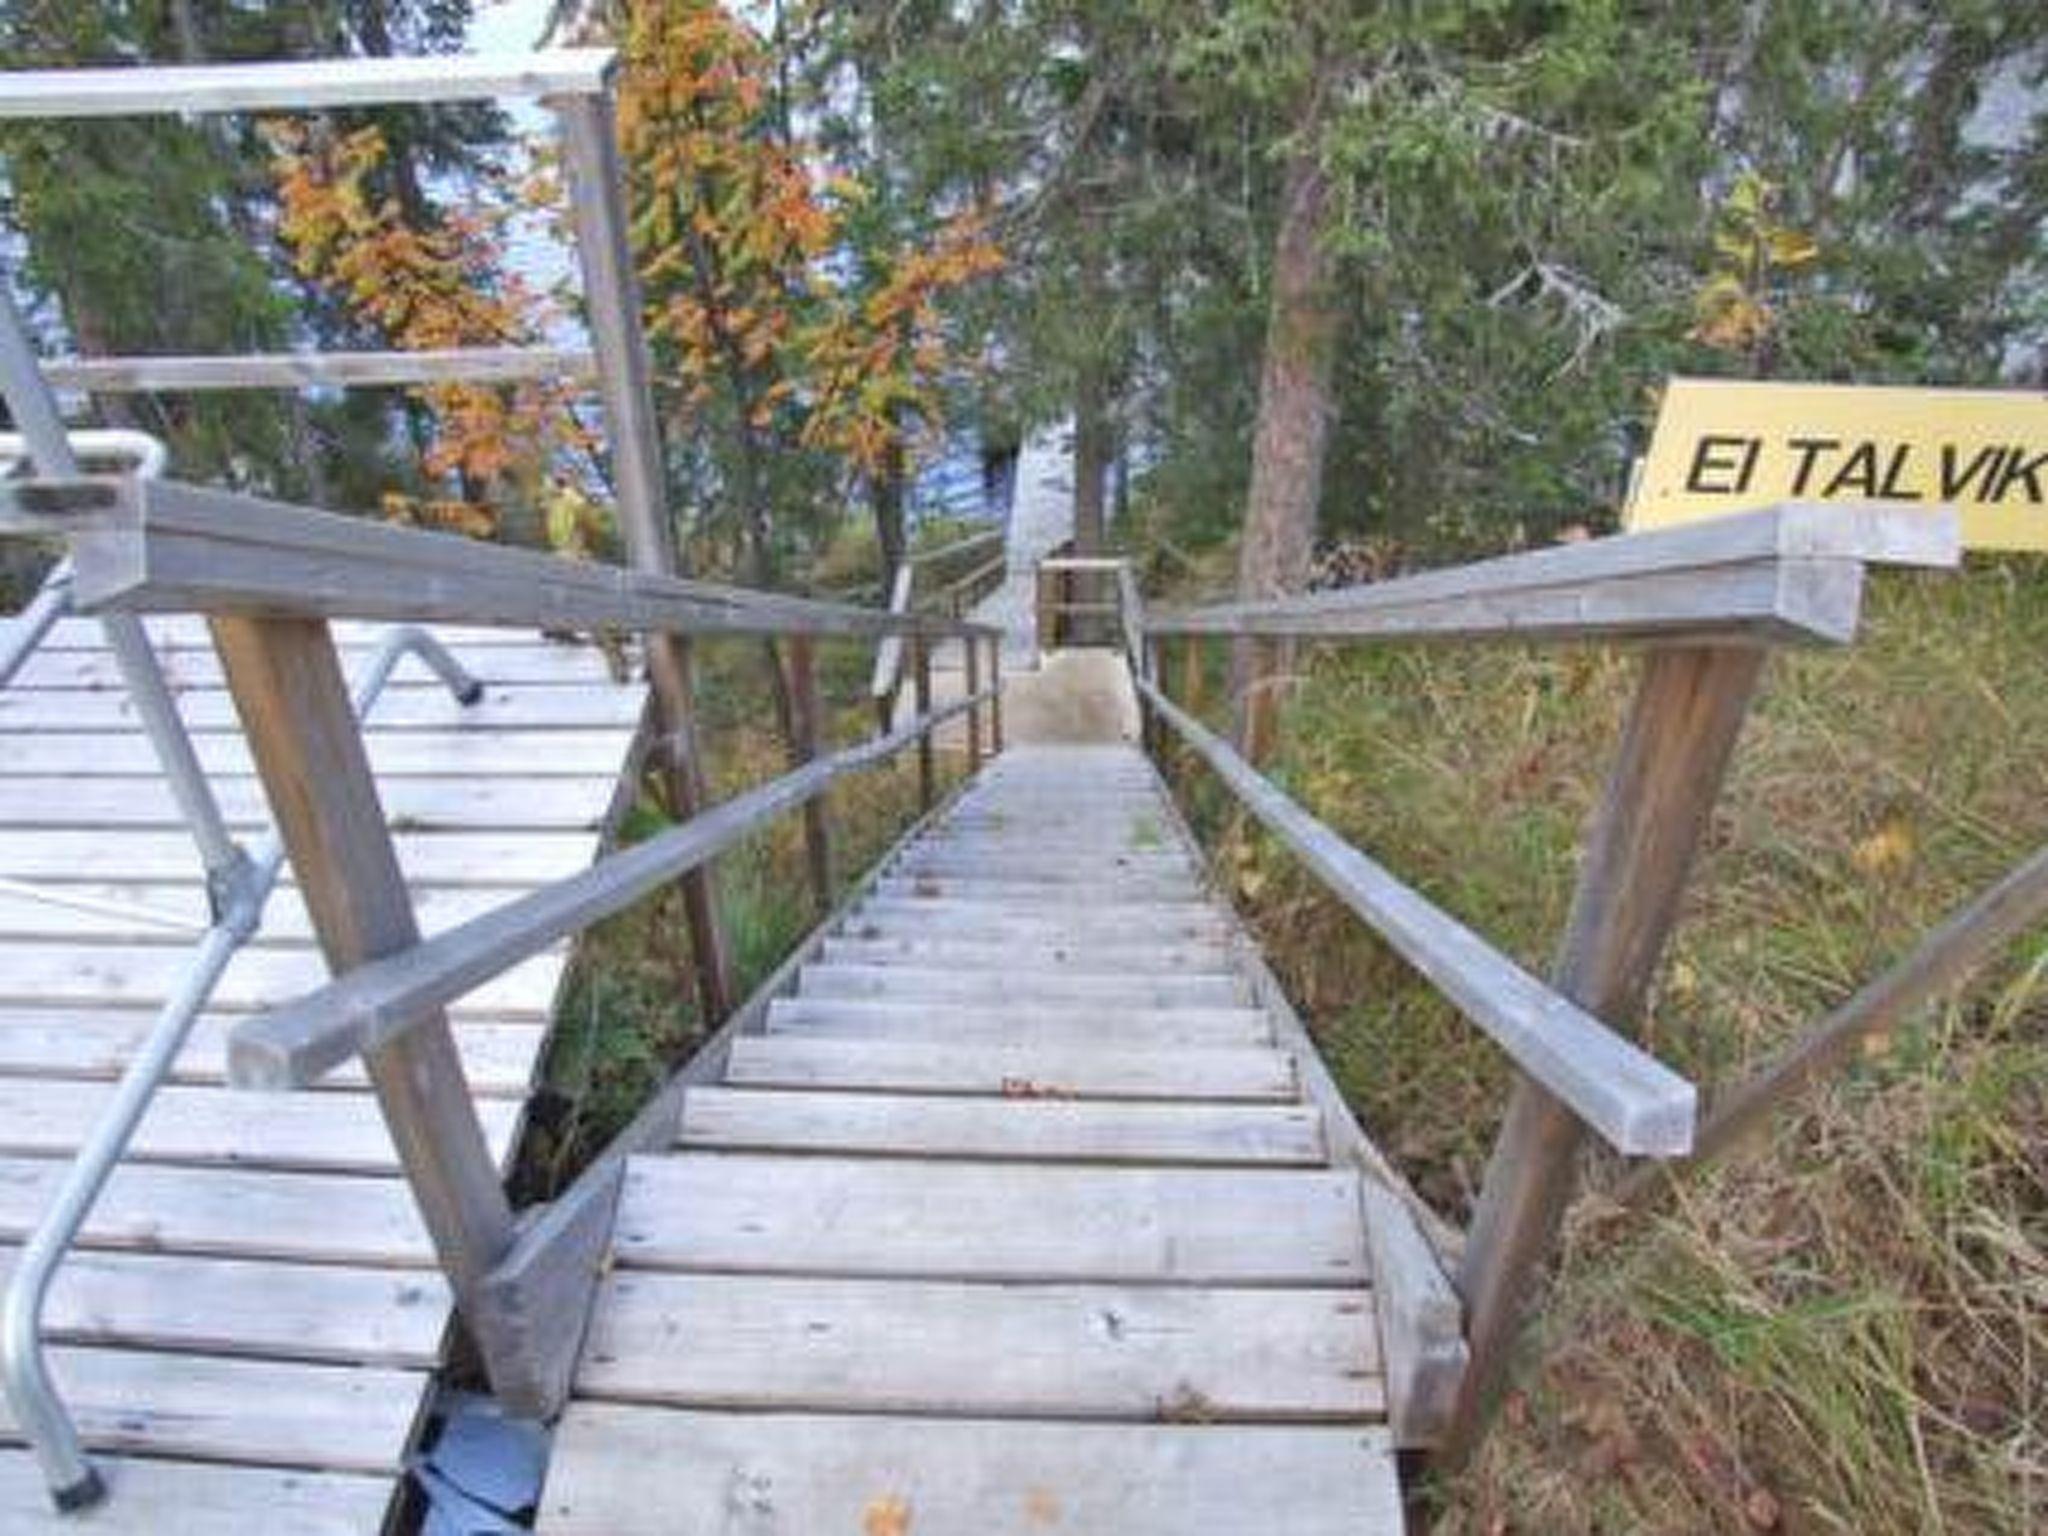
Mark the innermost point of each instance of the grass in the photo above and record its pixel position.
(1843, 1328)
(629, 1013)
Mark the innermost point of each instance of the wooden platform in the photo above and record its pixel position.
(1016, 1218)
(247, 1334)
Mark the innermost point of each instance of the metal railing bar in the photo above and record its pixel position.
(310, 370)
(302, 85)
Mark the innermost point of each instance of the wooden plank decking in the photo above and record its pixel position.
(247, 1332)
(1014, 1219)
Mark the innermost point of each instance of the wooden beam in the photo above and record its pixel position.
(306, 85)
(806, 711)
(302, 733)
(1789, 573)
(296, 1045)
(973, 656)
(1633, 1100)
(927, 770)
(313, 370)
(158, 546)
(1966, 940)
(1667, 774)
(995, 694)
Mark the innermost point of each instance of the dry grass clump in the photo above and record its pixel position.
(1844, 1329)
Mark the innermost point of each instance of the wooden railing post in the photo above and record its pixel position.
(619, 345)
(995, 703)
(1046, 616)
(1660, 794)
(921, 682)
(294, 705)
(970, 645)
(803, 689)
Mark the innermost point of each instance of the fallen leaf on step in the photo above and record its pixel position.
(886, 1516)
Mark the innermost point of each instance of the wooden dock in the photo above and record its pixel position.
(248, 1330)
(1018, 1216)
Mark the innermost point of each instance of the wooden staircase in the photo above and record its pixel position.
(1013, 1218)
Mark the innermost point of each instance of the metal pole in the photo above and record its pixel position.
(611, 290)
(34, 409)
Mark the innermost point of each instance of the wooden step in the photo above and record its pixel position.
(332, 1218)
(1013, 1071)
(909, 946)
(738, 1212)
(1030, 1130)
(1177, 898)
(624, 1471)
(170, 1498)
(938, 984)
(455, 753)
(1122, 1029)
(245, 1307)
(343, 1418)
(758, 1341)
(964, 918)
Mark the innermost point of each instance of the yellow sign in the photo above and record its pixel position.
(1727, 445)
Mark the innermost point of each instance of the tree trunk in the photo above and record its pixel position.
(1293, 421)
(890, 534)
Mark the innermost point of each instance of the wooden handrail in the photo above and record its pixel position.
(1641, 1106)
(376, 1004)
(161, 546)
(1792, 573)
(958, 546)
(302, 84)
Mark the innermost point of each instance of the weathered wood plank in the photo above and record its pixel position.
(1028, 1130)
(1012, 1070)
(621, 1471)
(1675, 749)
(414, 804)
(531, 708)
(965, 918)
(450, 754)
(1152, 1352)
(513, 661)
(499, 1057)
(937, 984)
(149, 911)
(321, 1218)
(378, 1002)
(340, 1418)
(912, 947)
(990, 1024)
(735, 1213)
(437, 858)
(96, 975)
(182, 1498)
(170, 547)
(337, 1132)
(243, 1307)
(1792, 572)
